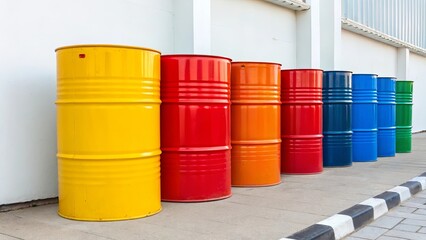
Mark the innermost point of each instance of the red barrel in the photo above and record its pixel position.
(301, 121)
(195, 128)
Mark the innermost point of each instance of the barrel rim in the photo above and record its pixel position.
(402, 80)
(196, 55)
(338, 71)
(365, 74)
(301, 69)
(256, 62)
(105, 46)
(387, 77)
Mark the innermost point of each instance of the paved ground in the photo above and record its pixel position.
(407, 221)
(251, 213)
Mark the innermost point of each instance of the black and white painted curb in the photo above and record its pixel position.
(351, 219)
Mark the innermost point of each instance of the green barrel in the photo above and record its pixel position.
(404, 111)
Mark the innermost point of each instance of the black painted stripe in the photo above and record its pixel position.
(392, 199)
(360, 214)
(315, 232)
(414, 186)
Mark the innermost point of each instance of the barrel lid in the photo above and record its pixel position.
(195, 55)
(254, 62)
(106, 45)
(339, 71)
(402, 80)
(387, 77)
(365, 74)
(303, 69)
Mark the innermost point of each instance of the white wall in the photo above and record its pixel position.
(29, 33)
(417, 73)
(364, 55)
(253, 30)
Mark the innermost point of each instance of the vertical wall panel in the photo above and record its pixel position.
(405, 20)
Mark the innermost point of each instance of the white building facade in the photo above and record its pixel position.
(311, 34)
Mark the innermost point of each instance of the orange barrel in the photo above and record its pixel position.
(108, 120)
(301, 128)
(255, 123)
(195, 128)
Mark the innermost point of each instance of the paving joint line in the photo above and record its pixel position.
(4, 234)
(348, 221)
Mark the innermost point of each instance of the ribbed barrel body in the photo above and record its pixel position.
(404, 114)
(195, 128)
(108, 110)
(364, 117)
(337, 118)
(386, 118)
(301, 121)
(255, 128)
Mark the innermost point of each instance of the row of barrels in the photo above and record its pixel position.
(365, 117)
(222, 123)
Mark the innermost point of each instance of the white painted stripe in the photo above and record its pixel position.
(286, 239)
(421, 180)
(341, 224)
(379, 206)
(404, 192)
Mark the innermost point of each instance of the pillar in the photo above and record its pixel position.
(403, 58)
(192, 23)
(331, 34)
(308, 36)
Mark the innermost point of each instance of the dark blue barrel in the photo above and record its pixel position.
(337, 111)
(364, 117)
(386, 140)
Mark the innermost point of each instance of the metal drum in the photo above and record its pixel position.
(195, 128)
(404, 111)
(337, 118)
(108, 121)
(364, 117)
(255, 123)
(386, 116)
(301, 121)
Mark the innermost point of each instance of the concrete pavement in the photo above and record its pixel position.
(251, 213)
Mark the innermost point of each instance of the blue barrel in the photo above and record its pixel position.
(386, 140)
(364, 117)
(337, 114)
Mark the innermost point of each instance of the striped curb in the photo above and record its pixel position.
(345, 222)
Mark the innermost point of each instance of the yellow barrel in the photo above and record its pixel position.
(108, 122)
